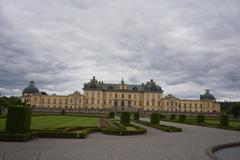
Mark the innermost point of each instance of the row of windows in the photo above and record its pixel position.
(60, 101)
(121, 95)
(185, 105)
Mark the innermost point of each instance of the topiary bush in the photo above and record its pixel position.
(136, 116)
(125, 117)
(155, 118)
(18, 119)
(224, 121)
(173, 117)
(111, 115)
(63, 112)
(161, 116)
(182, 118)
(200, 118)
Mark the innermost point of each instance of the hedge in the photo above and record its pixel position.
(18, 120)
(57, 134)
(200, 118)
(125, 117)
(111, 115)
(173, 116)
(160, 127)
(155, 118)
(224, 121)
(5, 136)
(182, 118)
(136, 116)
(84, 133)
(123, 132)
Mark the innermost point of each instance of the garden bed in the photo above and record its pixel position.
(160, 127)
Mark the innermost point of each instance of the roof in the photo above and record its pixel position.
(150, 86)
(31, 89)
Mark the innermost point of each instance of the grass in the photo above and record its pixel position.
(210, 121)
(55, 122)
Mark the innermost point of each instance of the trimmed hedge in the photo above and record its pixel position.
(161, 116)
(125, 117)
(63, 112)
(111, 115)
(5, 136)
(84, 133)
(200, 118)
(57, 134)
(136, 116)
(18, 120)
(182, 118)
(160, 127)
(124, 132)
(155, 118)
(173, 116)
(224, 121)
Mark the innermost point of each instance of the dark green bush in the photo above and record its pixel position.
(136, 116)
(125, 117)
(182, 118)
(63, 112)
(200, 118)
(84, 133)
(155, 118)
(224, 121)
(57, 134)
(173, 116)
(18, 119)
(111, 115)
(5, 136)
(161, 116)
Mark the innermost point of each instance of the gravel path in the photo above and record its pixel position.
(155, 145)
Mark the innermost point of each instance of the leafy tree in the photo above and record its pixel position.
(235, 110)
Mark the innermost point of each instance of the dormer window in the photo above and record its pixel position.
(110, 87)
(135, 88)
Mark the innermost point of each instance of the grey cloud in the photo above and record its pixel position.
(186, 46)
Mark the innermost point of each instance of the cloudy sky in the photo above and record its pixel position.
(185, 46)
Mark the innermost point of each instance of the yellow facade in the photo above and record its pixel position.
(98, 95)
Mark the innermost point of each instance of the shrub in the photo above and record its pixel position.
(111, 115)
(182, 118)
(136, 116)
(200, 118)
(224, 121)
(63, 112)
(125, 117)
(173, 116)
(19, 137)
(84, 133)
(161, 116)
(155, 118)
(18, 119)
(57, 134)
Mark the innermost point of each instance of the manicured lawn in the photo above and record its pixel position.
(54, 122)
(211, 120)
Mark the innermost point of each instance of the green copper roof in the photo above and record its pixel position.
(31, 89)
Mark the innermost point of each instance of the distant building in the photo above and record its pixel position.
(120, 96)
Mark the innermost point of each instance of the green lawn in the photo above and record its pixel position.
(54, 122)
(211, 120)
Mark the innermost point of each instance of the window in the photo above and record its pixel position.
(135, 88)
(115, 95)
(129, 96)
(122, 95)
(110, 87)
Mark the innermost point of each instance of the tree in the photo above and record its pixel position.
(236, 110)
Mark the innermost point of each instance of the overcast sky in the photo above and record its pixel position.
(186, 46)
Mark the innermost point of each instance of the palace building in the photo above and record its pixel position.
(120, 96)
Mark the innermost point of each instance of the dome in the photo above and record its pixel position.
(152, 86)
(207, 95)
(31, 89)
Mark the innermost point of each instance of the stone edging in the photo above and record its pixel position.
(211, 151)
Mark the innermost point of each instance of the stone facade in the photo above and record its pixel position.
(121, 96)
